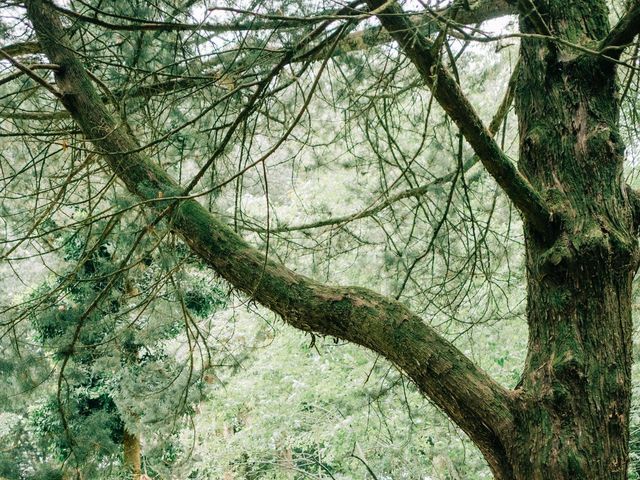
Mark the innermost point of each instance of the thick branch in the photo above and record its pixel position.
(467, 394)
(449, 95)
(623, 33)
(22, 48)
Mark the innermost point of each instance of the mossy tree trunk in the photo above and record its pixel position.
(132, 455)
(568, 417)
(574, 396)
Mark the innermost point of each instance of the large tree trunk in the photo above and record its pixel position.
(575, 394)
(132, 457)
(572, 421)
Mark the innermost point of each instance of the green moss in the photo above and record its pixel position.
(575, 465)
(561, 395)
(558, 298)
(342, 308)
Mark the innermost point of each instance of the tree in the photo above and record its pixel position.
(568, 417)
(113, 393)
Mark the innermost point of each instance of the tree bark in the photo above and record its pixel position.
(132, 458)
(574, 396)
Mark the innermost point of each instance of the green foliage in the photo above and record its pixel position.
(119, 359)
(329, 404)
(119, 327)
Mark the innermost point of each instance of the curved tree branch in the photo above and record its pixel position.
(449, 95)
(479, 405)
(623, 33)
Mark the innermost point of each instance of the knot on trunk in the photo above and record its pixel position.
(584, 238)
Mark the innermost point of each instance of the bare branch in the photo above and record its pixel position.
(449, 95)
(33, 66)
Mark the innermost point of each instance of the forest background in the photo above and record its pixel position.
(310, 133)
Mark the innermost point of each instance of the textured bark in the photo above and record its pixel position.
(132, 458)
(574, 395)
